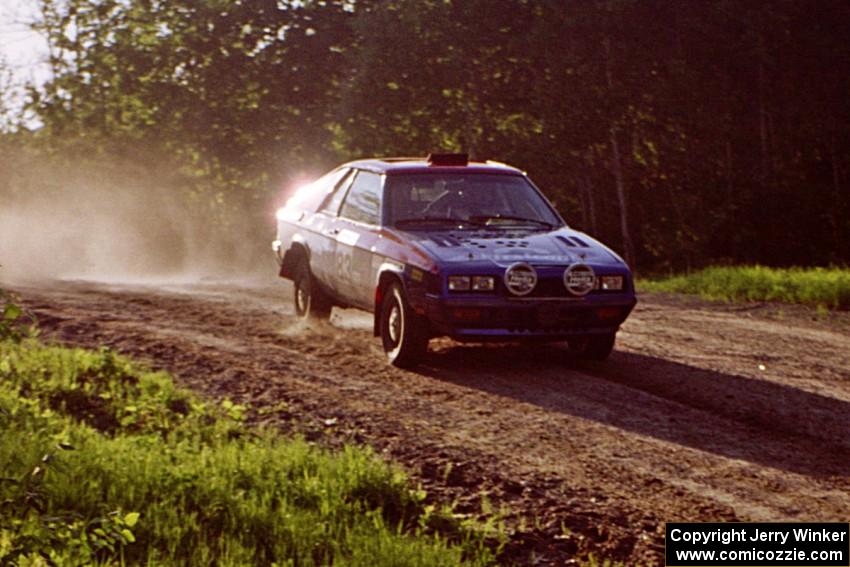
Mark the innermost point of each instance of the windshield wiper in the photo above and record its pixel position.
(442, 220)
(489, 219)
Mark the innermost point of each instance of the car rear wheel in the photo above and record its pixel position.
(309, 300)
(404, 334)
(593, 347)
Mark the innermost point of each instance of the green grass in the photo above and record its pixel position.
(821, 287)
(104, 462)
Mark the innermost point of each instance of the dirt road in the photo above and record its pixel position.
(703, 413)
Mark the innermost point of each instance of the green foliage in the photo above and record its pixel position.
(105, 462)
(593, 561)
(238, 100)
(16, 323)
(821, 287)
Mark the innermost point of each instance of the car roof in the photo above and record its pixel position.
(395, 165)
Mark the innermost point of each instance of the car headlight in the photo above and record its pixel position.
(611, 283)
(483, 283)
(474, 283)
(459, 283)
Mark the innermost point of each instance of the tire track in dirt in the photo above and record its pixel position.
(588, 457)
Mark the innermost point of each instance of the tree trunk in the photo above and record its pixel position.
(837, 207)
(731, 200)
(764, 134)
(617, 166)
(589, 202)
(762, 126)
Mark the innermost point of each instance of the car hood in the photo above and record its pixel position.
(507, 246)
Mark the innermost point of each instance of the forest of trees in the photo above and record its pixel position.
(680, 133)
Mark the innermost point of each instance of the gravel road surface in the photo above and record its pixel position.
(704, 412)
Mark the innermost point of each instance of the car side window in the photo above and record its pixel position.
(363, 202)
(332, 201)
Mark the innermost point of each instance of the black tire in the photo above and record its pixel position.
(309, 300)
(404, 334)
(594, 347)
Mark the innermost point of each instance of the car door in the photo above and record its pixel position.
(324, 229)
(359, 223)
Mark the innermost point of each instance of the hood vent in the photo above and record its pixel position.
(444, 241)
(573, 241)
(566, 241)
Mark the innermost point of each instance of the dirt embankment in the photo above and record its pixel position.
(703, 412)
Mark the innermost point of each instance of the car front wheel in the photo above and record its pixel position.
(404, 334)
(309, 300)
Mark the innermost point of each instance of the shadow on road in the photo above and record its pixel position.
(737, 417)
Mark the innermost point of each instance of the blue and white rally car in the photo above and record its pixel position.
(444, 246)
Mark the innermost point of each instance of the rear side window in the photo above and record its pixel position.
(363, 202)
(334, 198)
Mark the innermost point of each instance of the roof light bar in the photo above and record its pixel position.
(448, 159)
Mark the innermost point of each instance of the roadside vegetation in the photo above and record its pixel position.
(105, 462)
(222, 108)
(821, 287)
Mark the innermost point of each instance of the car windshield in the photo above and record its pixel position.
(474, 199)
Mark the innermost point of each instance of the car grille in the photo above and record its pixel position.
(546, 287)
(549, 286)
(550, 318)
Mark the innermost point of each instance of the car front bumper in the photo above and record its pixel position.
(494, 318)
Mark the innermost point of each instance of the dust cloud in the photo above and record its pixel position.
(122, 223)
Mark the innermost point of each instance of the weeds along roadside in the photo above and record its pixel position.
(823, 288)
(103, 461)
